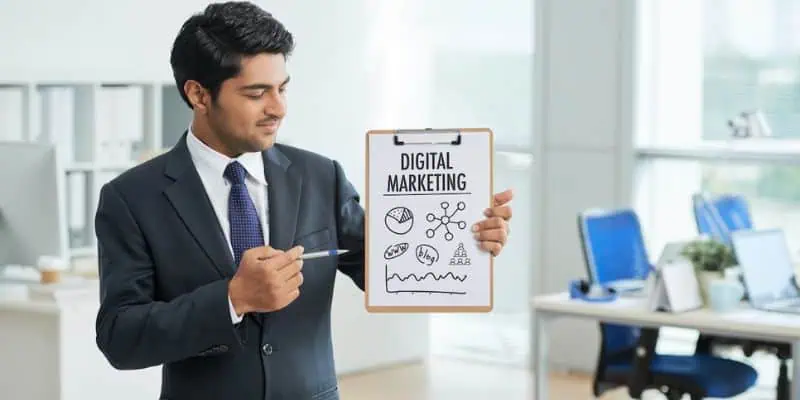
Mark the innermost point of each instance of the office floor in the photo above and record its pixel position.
(447, 379)
(438, 379)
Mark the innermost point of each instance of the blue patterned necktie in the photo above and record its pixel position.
(246, 231)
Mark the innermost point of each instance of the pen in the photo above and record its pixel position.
(325, 253)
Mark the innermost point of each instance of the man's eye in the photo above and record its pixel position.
(255, 95)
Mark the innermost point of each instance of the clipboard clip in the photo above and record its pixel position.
(451, 141)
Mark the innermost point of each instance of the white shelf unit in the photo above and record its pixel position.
(100, 129)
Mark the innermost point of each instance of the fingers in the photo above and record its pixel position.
(295, 252)
(280, 277)
(291, 296)
(291, 288)
(289, 273)
(492, 235)
(503, 197)
(263, 252)
(503, 212)
(290, 270)
(282, 260)
(492, 247)
(490, 223)
(295, 281)
(285, 299)
(283, 286)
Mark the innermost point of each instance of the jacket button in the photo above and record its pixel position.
(266, 349)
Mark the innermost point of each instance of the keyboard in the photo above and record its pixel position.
(788, 305)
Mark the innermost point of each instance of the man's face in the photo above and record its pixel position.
(251, 105)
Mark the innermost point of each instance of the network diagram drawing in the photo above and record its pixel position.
(445, 220)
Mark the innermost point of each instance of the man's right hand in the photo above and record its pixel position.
(266, 280)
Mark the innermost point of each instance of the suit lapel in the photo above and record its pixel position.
(284, 187)
(188, 197)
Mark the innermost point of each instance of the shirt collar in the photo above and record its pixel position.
(253, 162)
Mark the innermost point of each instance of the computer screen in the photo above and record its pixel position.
(766, 264)
(31, 192)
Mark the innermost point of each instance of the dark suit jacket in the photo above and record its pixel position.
(165, 268)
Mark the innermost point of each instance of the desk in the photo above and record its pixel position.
(744, 323)
(49, 353)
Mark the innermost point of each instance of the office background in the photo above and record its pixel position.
(594, 103)
(358, 65)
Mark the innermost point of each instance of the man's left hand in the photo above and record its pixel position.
(492, 232)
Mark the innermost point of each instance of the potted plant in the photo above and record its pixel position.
(710, 259)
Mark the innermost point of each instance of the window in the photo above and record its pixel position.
(481, 75)
(751, 60)
(700, 65)
(748, 59)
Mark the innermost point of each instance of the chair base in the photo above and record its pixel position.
(784, 387)
(672, 388)
(783, 351)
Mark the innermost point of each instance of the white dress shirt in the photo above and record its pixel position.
(211, 165)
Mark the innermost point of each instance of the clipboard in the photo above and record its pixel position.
(425, 189)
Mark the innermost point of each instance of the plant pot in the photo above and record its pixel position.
(704, 279)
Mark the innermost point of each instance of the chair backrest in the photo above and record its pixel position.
(614, 249)
(718, 216)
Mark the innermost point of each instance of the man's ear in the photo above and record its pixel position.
(198, 95)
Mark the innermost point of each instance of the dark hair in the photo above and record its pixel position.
(210, 45)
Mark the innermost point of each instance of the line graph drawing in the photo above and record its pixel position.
(445, 220)
(429, 282)
(427, 275)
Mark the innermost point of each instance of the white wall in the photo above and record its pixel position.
(89, 39)
(584, 118)
(583, 115)
(330, 104)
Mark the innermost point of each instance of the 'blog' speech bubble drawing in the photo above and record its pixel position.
(427, 254)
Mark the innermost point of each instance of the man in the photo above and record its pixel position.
(199, 247)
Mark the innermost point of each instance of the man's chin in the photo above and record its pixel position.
(263, 143)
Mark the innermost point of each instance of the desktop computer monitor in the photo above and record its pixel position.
(32, 222)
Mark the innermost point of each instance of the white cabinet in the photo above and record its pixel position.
(49, 353)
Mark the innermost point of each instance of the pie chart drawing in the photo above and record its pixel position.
(399, 220)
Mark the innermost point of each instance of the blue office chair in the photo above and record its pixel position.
(613, 249)
(717, 216)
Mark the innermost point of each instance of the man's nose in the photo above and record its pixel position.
(276, 106)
